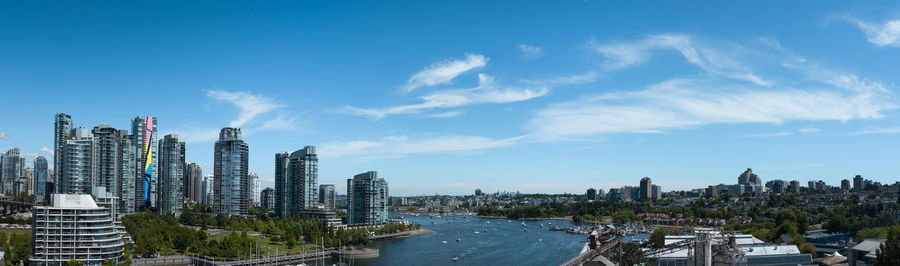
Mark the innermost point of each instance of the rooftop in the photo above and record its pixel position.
(73, 201)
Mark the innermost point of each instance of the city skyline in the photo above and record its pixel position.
(686, 102)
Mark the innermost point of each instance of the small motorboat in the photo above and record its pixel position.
(526, 230)
(476, 232)
(444, 242)
(455, 259)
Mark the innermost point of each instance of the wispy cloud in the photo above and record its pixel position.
(681, 103)
(195, 134)
(251, 109)
(399, 146)
(587, 77)
(282, 122)
(530, 51)
(727, 91)
(250, 105)
(445, 114)
(622, 55)
(3, 136)
(444, 72)
(769, 135)
(872, 131)
(487, 91)
(886, 34)
(808, 130)
(46, 150)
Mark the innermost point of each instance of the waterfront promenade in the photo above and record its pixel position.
(272, 260)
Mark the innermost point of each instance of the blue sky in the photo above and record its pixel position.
(447, 96)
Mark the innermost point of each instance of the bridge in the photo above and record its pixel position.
(15, 203)
(10, 206)
(599, 244)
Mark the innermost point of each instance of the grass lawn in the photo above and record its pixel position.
(268, 248)
(16, 231)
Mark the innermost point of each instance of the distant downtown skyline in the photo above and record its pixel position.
(688, 94)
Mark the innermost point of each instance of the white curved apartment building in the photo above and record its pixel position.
(74, 227)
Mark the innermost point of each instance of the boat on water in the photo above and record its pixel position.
(444, 242)
(526, 230)
(457, 239)
(455, 259)
(523, 224)
(540, 240)
(485, 230)
(476, 232)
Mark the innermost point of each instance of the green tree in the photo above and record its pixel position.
(658, 237)
(624, 216)
(631, 254)
(291, 243)
(74, 262)
(889, 252)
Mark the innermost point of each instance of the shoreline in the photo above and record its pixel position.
(566, 218)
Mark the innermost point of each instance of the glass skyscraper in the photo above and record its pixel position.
(41, 175)
(296, 181)
(171, 175)
(231, 180)
(367, 197)
(144, 130)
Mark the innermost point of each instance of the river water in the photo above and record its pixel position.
(504, 243)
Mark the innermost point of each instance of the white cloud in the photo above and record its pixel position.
(249, 104)
(486, 92)
(769, 135)
(398, 146)
(3, 136)
(588, 77)
(444, 72)
(530, 51)
(624, 55)
(682, 103)
(250, 107)
(726, 92)
(194, 134)
(47, 150)
(887, 34)
(873, 131)
(808, 130)
(446, 114)
(282, 122)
